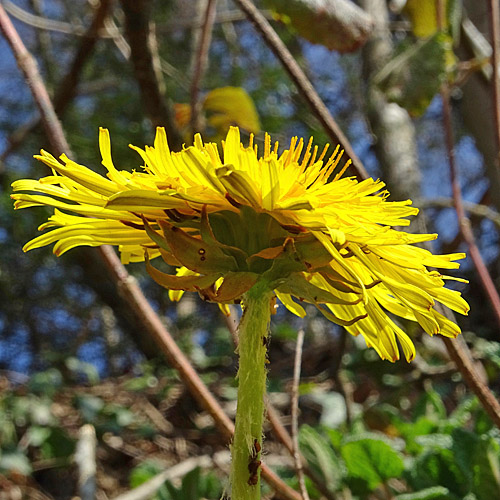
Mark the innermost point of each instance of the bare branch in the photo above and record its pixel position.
(303, 84)
(495, 39)
(42, 22)
(463, 221)
(458, 353)
(68, 86)
(44, 44)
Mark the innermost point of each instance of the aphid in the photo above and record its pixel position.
(254, 464)
(256, 447)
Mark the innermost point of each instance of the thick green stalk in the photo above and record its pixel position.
(252, 348)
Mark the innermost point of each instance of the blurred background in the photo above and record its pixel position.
(73, 353)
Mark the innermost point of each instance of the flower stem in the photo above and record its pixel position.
(252, 348)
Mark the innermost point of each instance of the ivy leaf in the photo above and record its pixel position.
(337, 24)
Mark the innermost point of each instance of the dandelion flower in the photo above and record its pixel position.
(290, 219)
(244, 228)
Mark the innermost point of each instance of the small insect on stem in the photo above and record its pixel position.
(254, 464)
(273, 305)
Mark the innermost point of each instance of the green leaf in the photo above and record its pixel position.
(372, 460)
(486, 469)
(57, 445)
(46, 383)
(437, 466)
(190, 485)
(89, 406)
(144, 472)
(82, 368)
(37, 435)
(465, 444)
(210, 486)
(430, 405)
(321, 457)
(435, 441)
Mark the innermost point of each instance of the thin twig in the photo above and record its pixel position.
(138, 33)
(126, 284)
(119, 40)
(476, 209)
(456, 350)
(295, 414)
(74, 29)
(42, 22)
(463, 221)
(462, 357)
(464, 364)
(201, 62)
(44, 45)
(495, 59)
(303, 84)
(342, 385)
(67, 88)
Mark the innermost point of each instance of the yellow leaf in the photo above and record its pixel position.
(423, 16)
(228, 106)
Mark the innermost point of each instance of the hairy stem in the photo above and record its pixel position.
(252, 348)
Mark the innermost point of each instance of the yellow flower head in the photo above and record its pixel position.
(288, 219)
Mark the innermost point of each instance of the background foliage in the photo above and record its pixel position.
(71, 353)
